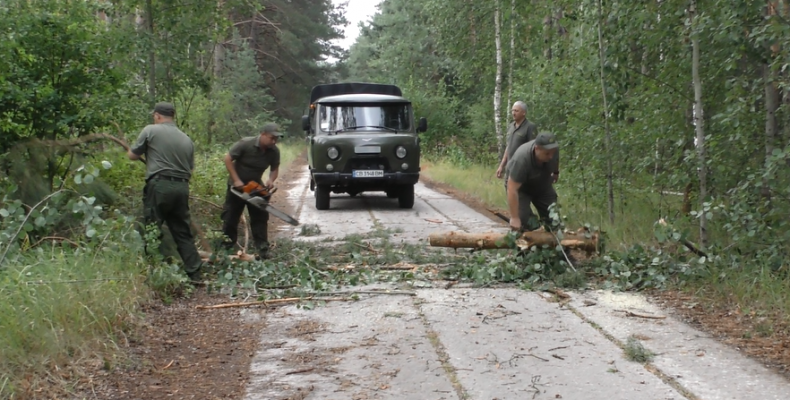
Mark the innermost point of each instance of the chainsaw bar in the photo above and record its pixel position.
(262, 204)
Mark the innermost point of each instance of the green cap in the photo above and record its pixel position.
(271, 129)
(165, 109)
(547, 140)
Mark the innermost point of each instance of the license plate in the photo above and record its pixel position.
(367, 149)
(367, 173)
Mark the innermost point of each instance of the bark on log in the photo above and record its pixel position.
(206, 256)
(492, 240)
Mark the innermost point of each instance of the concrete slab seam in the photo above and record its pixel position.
(441, 352)
(456, 223)
(302, 197)
(649, 367)
(376, 223)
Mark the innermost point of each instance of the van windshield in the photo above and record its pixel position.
(393, 117)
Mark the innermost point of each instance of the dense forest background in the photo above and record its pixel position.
(72, 68)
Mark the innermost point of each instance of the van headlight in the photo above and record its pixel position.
(400, 152)
(333, 153)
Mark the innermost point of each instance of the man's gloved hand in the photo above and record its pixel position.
(270, 191)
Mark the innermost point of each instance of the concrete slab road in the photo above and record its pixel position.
(367, 212)
(484, 344)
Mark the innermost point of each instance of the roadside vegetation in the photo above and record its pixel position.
(74, 277)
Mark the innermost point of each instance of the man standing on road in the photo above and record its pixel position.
(246, 161)
(532, 171)
(169, 157)
(520, 131)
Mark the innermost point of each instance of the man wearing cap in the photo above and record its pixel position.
(169, 159)
(519, 131)
(246, 161)
(532, 171)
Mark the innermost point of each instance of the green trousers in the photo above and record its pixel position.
(259, 220)
(167, 201)
(541, 199)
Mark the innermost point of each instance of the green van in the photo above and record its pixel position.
(362, 137)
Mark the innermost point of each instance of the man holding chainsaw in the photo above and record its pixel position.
(532, 171)
(246, 161)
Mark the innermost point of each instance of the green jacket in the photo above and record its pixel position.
(517, 136)
(251, 160)
(525, 169)
(168, 151)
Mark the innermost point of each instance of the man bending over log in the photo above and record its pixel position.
(531, 172)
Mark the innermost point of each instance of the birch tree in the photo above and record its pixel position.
(498, 85)
(699, 124)
(607, 132)
(151, 66)
(512, 57)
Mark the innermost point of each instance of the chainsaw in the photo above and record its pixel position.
(259, 195)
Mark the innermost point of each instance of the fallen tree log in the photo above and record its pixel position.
(581, 239)
(206, 256)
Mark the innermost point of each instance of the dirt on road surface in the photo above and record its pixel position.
(435, 343)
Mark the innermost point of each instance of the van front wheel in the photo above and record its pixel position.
(322, 197)
(406, 197)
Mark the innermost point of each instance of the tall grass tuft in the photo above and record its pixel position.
(59, 305)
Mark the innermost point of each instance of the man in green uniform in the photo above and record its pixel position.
(169, 158)
(532, 171)
(246, 161)
(519, 131)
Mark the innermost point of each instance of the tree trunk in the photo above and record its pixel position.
(472, 25)
(771, 99)
(219, 57)
(644, 68)
(511, 61)
(548, 23)
(498, 86)
(771, 105)
(149, 22)
(219, 48)
(218, 61)
(699, 123)
(607, 132)
(580, 240)
(784, 127)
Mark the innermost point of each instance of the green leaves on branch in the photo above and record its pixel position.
(64, 216)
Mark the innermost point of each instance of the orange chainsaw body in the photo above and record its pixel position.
(253, 188)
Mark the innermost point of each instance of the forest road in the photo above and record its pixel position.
(480, 343)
